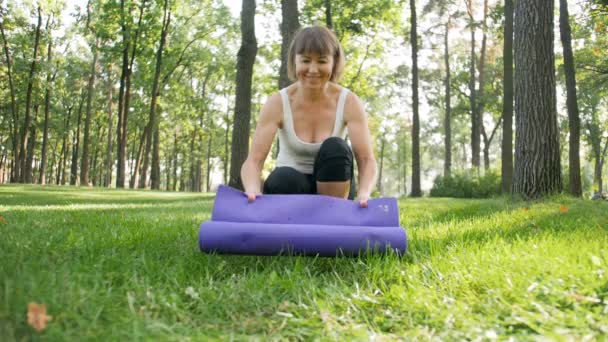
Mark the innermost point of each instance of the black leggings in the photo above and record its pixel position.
(333, 163)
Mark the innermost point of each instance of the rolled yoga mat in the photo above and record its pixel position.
(301, 225)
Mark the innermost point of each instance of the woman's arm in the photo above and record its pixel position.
(360, 137)
(268, 123)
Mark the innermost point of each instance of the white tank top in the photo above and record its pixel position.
(296, 153)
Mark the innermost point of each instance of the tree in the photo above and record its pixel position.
(25, 131)
(574, 163)
(537, 158)
(244, 74)
(416, 190)
(289, 26)
(507, 109)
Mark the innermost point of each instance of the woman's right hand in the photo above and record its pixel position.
(251, 196)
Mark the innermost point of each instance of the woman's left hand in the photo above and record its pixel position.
(362, 199)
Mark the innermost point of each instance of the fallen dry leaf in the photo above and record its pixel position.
(563, 209)
(37, 317)
(526, 209)
(3, 220)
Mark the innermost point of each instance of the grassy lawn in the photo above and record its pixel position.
(124, 265)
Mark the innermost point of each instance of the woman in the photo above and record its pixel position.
(313, 116)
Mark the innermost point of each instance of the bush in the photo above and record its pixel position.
(467, 186)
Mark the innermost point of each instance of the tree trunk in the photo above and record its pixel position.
(14, 111)
(507, 105)
(47, 104)
(153, 133)
(136, 180)
(416, 190)
(84, 164)
(121, 137)
(244, 75)
(65, 147)
(447, 166)
(328, 19)
(210, 143)
(76, 146)
(175, 157)
(574, 162)
(537, 157)
(475, 122)
(28, 103)
(31, 145)
(481, 91)
(289, 26)
(108, 165)
(381, 166)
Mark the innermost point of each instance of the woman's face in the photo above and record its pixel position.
(314, 70)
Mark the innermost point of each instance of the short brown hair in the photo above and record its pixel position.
(316, 39)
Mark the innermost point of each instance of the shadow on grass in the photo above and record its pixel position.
(32, 195)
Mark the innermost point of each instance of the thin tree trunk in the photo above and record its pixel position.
(507, 106)
(574, 162)
(28, 103)
(108, 165)
(289, 26)
(121, 137)
(76, 145)
(537, 156)
(475, 124)
(208, 174)
(447, 166)
(175, 157)
(84, 164)
(61, 173)
(14, 111)
(136, 180)
(244, 75)
(380, 189)
(328, 18)
(416, 190)
(47, 104)
(153, 133)
(481, 89)
(31, 145)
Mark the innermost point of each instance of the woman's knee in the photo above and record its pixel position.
(287, 180)
(334, 162)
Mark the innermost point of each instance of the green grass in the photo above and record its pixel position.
(124, 265)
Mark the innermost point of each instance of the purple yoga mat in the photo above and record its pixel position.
(301, 224)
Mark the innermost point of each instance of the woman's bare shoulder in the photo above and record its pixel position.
(353, 107)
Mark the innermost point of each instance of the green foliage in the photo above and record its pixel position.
(467, 186)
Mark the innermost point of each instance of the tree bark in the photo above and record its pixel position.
(244, 75)
(537, 157)
(76, 146)
(47, 104)
(61, 172)
(380, 189)
(31, 145)
(108, 161)
(289, 26)
(416, 190)
(121, 148)
(28, 103)
(14, 111)
(475, 120)
(507, 105)
(84, 163)
(328, 18)
(481, 90)
(447, 123)
(574, 162)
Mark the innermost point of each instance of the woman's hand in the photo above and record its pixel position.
(252, 196)
(362, 199)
